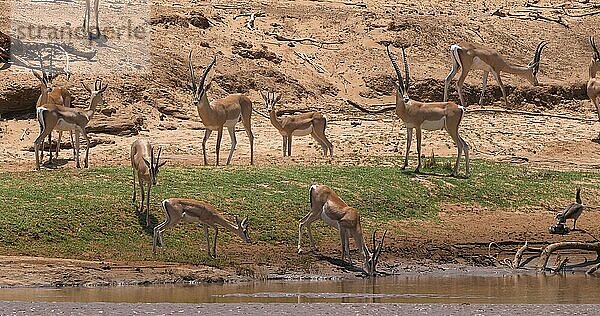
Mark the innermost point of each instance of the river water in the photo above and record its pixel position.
(506, 289)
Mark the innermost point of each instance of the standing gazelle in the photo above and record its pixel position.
(50, 115)
(593, 85)
(327, 205)
(429, 116)
(313, 123)
(223, 112)
(187, 210)
(87, 16)
(146, 171)
(467, 56)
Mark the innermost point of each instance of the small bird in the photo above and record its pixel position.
(572, 211)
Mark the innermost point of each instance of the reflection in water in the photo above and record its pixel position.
(511, 289)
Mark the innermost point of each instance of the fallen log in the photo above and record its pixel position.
(516, 264)
(543, 260)
(567, 117)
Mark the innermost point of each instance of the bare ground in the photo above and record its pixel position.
(357, 70)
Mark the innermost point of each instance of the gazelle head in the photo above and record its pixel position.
(373, 255)
(401, 86)
(242, 228)
(199, 90)
(534, 65)
(270, 100)
(154, 165)
(97, 91)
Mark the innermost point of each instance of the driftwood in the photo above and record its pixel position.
(516, 264)
(561, 265)
(358, 4)
(567, 117)
(251, 19)
(543, 260)
(311, 60)
(593, 269)
(312, 41)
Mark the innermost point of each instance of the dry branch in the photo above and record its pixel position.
(312, 41)
(543, 260)
(252, 18)
(311, 60)
(593, 269)
(567, 117)
(519, 255)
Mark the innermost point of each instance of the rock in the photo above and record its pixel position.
(167, 125)
(115, 125)
(17, 96)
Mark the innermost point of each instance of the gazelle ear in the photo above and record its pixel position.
(37, 74)
(277, 98)
(244, 222)
(162, 164)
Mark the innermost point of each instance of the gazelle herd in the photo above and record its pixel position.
(54, 112)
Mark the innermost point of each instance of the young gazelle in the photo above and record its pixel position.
(145, 171)
(429, 116)
(467, 56)
(327, 205)
(50, 115)
(593, 85)
(187, 210)
(219, 113)
(313, 123)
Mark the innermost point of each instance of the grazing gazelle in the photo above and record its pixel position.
(50, 115)
(87, 16)
(429, 116)
(145, 167)
(219, 113)
(467, 56)
(327, 205)
(187, 210)
(313, 123)
(593, 86)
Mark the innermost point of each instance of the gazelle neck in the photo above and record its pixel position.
(274, 120)
(594, 68)
(228, 225)
(203, 106)
(93, 105)
(400, 104)
(522, 71)
(44, 95)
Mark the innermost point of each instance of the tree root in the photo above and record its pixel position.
(516, 263)
(545, 255)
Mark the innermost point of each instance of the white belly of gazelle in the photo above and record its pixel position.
(302, 132)
(434, 125)
(231, 123)
(62, 125)
(328, 219)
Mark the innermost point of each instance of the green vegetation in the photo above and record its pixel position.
(87, 214)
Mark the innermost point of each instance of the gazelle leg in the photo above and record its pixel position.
(96, 3)
(77, 150)
(72, 143)
(233, 143)
(461, 80)
(134, 191)
(289, 144)
(142, 194)
(499, 80)
(214, 249)
(460, 148)
(483, 86)
(409, 134)
(58, 143)
(50, 147)
(207, 133)
(207, 239)
(87, 148)
(307, 221)
(218, 147)
(418, 150)
(284, 146)
(467, 161)
(39, 142)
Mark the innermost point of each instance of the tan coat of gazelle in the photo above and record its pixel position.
(50, 115)
(226, 112)
(593, 85)
(188, 210)
(311, 123)
(467, 56)
(430, 116)
(145, 168)
(51, 94)
(325, 204)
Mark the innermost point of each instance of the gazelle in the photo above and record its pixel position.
(467, 56)
(313, 123)
(429, 116)
(145, 171)
(593, 85)
(219, 113)
(57, 95)
(50, 115)
(188, 210)
(327, 205)
(87, 17)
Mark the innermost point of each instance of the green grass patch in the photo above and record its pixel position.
(87, 214)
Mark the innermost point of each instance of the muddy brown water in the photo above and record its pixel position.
(506, 289)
